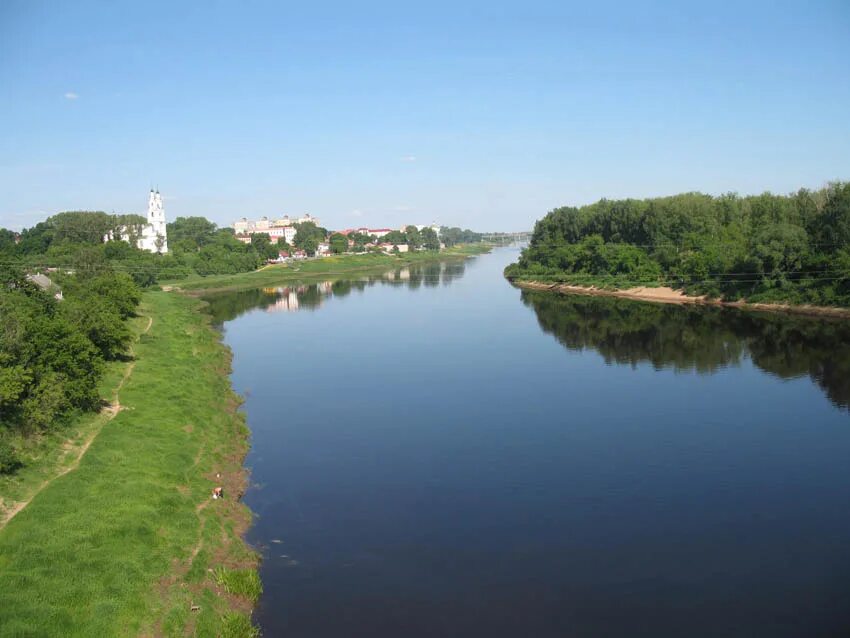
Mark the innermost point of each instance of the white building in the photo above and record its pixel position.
(281, 227)
(153, 236)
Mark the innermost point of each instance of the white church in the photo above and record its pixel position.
(153, 236)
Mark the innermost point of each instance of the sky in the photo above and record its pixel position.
(477, 114)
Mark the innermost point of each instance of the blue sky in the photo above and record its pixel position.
(485, 115)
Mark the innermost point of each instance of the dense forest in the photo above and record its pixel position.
(793, 248)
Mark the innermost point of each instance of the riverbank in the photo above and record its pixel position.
(663, 294)
(326, 268)
(126, 540)
(111, 529)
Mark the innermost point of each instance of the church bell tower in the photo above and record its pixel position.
(156, 221)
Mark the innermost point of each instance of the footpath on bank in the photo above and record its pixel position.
(114, 531)
(128, 542)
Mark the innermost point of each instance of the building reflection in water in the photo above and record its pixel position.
(309, 296)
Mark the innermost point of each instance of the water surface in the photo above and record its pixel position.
(436, 453)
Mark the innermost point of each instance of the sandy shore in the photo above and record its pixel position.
(664, 294)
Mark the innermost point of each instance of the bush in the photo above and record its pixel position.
(9, 459)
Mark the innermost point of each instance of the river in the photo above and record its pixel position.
(437, 453)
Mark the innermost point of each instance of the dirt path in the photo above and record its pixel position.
(108, 412)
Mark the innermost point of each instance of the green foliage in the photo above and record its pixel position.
(430, 241)
(451, 236)
(360, 240)
(240, 582)
(308, 236)
(52, 352)
(236, 625)
(262, 243)
(191, 232)
(338, 243)
(765, 247)
(413, 236)
(9, 458)
(102, 551)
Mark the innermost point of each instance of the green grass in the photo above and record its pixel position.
(45, 455)
(242, 582)
(107, 549)
(327, 267)
(238, 626)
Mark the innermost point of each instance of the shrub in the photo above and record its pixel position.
(9, 459)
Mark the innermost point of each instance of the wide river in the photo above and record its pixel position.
(437, 453)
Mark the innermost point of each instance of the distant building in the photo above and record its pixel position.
(280, 227)
(46, 283)
(154, 235)
(388, 247)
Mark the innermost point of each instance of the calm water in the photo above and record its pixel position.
(437, 453)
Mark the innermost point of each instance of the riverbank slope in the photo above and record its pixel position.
(114, 531)
(128, 541)
(664, 294)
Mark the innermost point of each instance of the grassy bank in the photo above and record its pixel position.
(328, 267)
(48, 455)
(129, 540)
(119, 535)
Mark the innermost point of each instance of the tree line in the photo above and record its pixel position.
(793, 248)
(196, 245)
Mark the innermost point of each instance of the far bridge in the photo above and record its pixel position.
(507, 238)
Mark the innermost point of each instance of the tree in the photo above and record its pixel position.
(395, 237)
(197, 231)
(262, 243)
(50, 367)
(360, 240)
(429, 239)
(414, 238)
(763, 247)
(338, 243)
(308, 236)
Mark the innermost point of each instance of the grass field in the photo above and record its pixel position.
(327, 267)
(128, 541)
(50, 454)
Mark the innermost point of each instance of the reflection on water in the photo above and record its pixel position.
(700, 338)
(301, 296)
(428, 461)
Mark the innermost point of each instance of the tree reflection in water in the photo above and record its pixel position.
(309, 296)
(700, 338)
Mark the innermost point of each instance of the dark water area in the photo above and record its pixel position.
(437, 453)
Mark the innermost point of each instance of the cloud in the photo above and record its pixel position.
(70, 95)
(408, 158)
(402, 209)
(357, 213)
